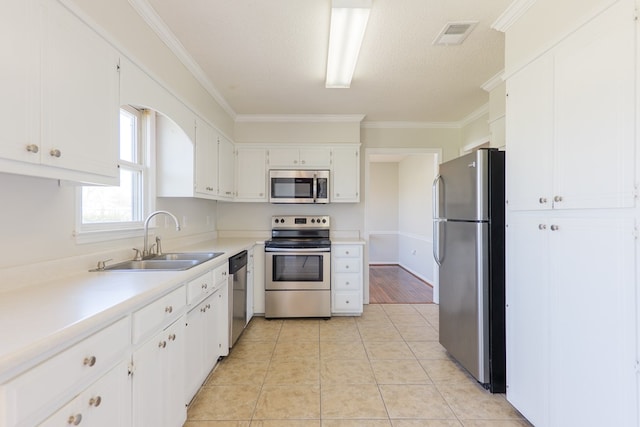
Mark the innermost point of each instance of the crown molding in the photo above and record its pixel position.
(410, 125)
(299, 118)
(149, 15)
(475, 115)
(512, 14)
(493, 82)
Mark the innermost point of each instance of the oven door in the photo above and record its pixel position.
(297, 269)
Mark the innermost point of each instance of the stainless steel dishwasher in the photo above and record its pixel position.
(237, 296)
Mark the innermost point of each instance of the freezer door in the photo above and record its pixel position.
(463, 295)
(463, 187)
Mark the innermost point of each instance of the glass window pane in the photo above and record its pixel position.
(128, 134)
(113, 204)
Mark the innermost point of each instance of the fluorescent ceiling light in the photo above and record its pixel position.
(348, 23)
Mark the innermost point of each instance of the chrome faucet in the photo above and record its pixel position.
(145, 249)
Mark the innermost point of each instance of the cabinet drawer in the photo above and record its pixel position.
(350, 302)
(347, 281)
(347, 265)
(343, 251)
(199, 287)
(221, 274)
(106, 402)
(159, 312)
(32, 390)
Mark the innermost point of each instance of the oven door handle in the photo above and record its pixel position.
(297, 250)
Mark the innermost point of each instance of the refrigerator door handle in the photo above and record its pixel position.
(435, 194)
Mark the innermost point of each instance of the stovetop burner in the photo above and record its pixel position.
(299, 232)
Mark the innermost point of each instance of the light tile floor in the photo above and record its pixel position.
(383, 369)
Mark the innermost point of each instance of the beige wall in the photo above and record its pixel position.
(475, 132)
(445, 138)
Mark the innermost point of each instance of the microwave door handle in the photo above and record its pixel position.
(315, 188)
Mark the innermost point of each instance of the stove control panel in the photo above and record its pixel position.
(279, 222)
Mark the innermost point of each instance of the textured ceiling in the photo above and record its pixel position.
(269, 57)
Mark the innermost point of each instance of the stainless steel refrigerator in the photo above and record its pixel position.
(469, 245)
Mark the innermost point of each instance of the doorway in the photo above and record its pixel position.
(398, 218)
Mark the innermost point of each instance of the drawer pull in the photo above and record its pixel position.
(347, 283)
(346, 252)
(347, 302)
(168, 309)
(89, 361)
(32, 148)
(203, 309)
(172, 337)
(56, 153)
(162, 344)
(75, 419)
(346, 266)
(95, 401)
(205, 286)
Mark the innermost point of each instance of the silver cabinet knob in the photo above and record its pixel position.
(162, 344)
(74, 419)
(55, 152)
(168, 309)
(557, 199)
(95, 401)
(542, 226)
(347, 302)
(89, 361)
(542, 200)
(32, 148)
(554, 228)
(172, 337)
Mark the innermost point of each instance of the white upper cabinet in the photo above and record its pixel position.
(571, 120)
(345, 182)
(60, 117)
(251, 174)
(297, 157)
(226, 168)
(206, 160)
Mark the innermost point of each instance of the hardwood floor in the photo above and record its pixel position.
(391, 284)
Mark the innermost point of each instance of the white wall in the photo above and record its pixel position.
(382, 212)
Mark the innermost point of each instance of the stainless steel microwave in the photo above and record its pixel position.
(299, 186)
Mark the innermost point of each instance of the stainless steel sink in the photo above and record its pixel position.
(168, 262)
(195, 256)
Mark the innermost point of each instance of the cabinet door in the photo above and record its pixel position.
(194, 357)
(80, 99)
(221, 310)
(20, 81)
(251, 175)
(592, 315)
(284, 157)
(529, 136)
(595, 79)
(319, 157)
(250, 284)
(346, 175)
(158, 379)
(226, 162)
(527, 315)
(206, 160)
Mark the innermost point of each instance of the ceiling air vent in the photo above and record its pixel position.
(455, 32)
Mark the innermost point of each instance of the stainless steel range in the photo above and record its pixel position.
(298, 267)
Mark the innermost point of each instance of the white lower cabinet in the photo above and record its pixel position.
(106, 403)
(250, 280)
(570, 318)
(158, 379)
(346, 279)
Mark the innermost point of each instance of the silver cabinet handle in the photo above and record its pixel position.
(542, 200)
(33, 148)
(557, 199)
(55, 152)
(89, 361)
(172, 337)
(542, 226)
(554, 228)
(74, 419)
(168, 309)
(162, 344)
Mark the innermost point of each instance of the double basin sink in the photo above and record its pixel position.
(167, 262)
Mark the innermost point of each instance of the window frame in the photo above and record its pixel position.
(145, 152)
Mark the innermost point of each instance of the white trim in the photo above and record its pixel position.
(493, 82)
(512, 14)
(156, 23)
(299, 118)
(410, 125)
(478, 142)
(475, 115)
(414, 236)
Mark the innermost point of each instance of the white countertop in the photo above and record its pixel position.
(39, 320)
